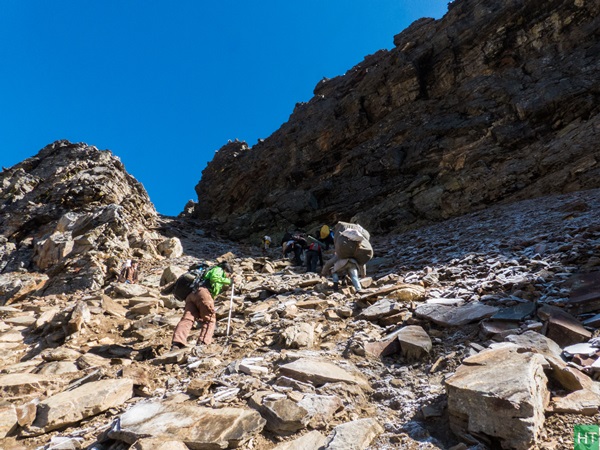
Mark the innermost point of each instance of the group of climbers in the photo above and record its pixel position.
(352, 250)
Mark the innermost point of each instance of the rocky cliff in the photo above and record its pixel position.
(474, 332)
(70, 214)
(495, 102)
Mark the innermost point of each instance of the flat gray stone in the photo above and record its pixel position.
(355, 435)
(517, 312)
(450, 316)
(24, 384)
(310, 441)
(25, 320)
(583, 402)
(592, 321)
(583, 348)
(498, 329)
(57, 368)
(321, 409)
(8, 419)
(445, 301)
(319, 372)
(159, 444)
(382, 308)
(197, 427)
(70, 407)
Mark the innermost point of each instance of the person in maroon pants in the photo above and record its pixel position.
(200, 306)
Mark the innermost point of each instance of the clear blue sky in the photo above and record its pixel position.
(164, 84)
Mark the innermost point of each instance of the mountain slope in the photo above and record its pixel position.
(495, 102)
(66, 212)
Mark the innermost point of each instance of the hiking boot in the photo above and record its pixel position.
(336, 286)
(176, 346)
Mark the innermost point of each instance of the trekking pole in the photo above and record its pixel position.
(230, 309)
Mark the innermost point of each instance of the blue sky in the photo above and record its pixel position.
(163, 85)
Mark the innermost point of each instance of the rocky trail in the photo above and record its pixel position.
(458, 341)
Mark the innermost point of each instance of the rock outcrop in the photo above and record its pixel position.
(474, 331)
(70, 213)
(306, 366)
(495, 102)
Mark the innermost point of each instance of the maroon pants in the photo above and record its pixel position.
(199, 306)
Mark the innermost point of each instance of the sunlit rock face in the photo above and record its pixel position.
(495, 102)
(67, 212)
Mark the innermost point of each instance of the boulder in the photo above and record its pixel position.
(321, 409)
(57, 368)
(320, 372)
(408, 292)
(170, 248)
(299, 335)
(124, 290)
(500, 393)
(197, 427)
(15, 385)
(51, 250)
(382, 308)
(568, 377)
(170, 274)
(26, 412)
(70, 407)
(284, 416)
(355, 435)
(583, 402)
(60, 354)
(414, 341)
(8, 419)
(562, 327)
(113, 308)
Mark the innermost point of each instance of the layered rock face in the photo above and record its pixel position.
(495, 102)
(67, 214)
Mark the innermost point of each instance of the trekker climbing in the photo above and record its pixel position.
(266, 244)
(293, 243)
(130, 272)
(352, 252)
(326, 236)
(313, 254)
(200, 306)
(338, 268)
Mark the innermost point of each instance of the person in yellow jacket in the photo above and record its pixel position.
(200, 306)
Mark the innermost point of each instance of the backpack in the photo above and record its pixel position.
(190, 282)
(352, 241)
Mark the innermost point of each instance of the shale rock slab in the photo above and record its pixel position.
(198, 427)
(499, 393)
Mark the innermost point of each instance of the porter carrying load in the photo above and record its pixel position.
(352, 241)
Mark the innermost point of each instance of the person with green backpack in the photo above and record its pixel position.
(200, 306)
